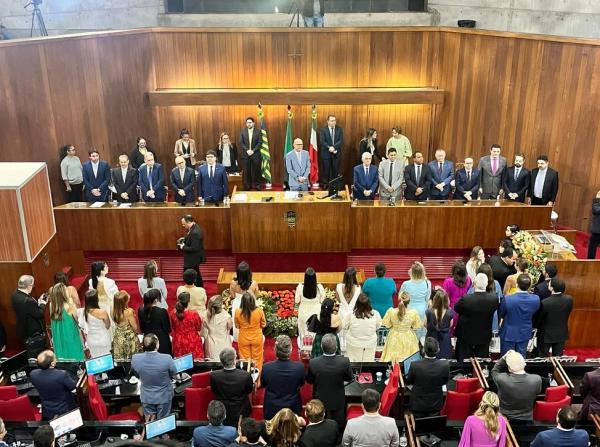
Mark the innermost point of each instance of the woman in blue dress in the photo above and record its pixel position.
(439, 318)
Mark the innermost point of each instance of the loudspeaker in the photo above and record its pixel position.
(467, 23)
(174, 5)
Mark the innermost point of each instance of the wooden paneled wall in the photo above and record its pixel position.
(531, 94)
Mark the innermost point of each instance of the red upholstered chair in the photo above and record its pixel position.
(467, 385)
(196, 403)
(388, 397)
(556, 393)
(457, 406)
(8, 392)
(19, 410)
(98, 406)
(201, 380)
(546, 411)
(475, 399)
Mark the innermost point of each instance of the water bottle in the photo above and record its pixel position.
(403, 440)
(202, 201)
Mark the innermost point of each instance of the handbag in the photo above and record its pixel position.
(37, 341)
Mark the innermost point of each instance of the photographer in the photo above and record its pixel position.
(31, 327)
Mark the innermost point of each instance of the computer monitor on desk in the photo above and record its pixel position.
(15, 364)
(184, 363)
(408, 360)
(160, 426)
(66, 423)
(99, 365)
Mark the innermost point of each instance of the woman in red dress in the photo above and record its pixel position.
(186, 326)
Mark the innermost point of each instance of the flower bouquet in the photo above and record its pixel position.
(282, 318)
(533, 252)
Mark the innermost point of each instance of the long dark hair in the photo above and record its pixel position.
(91, 302)
(248, 305)
(440, 305)
(150, 297)
(63, 151)
(96, 268)
(459, 273)
(486, 269)
(349, 281)
(325, 314)
(183, 300)
(309, 289)
(243, 275)
(61, 277)
(150, 273)
(363, 307)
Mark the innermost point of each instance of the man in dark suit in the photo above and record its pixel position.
(213, 184)
(125, 181)
(232, 386)
(442, 173)
(544, 183)
(491, 170)
(594, 228)
(565, 434)
(96, 177)
(250, 142)
(590, 392)
(475, 316)
(328, 373)
(183, 179)
(554, 319)
(503, 265)
(542, 288)
(319, 432)
(366, 179)
(55, 386)
(151, 180)
(331, 139)
(418, 179)
(467, 182)
(516, 180)
(518, 310)
(31, 326)
(192, 247)
(427, 377)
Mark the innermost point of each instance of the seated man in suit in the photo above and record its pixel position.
(491, 171)
(365, 179)
(391, 176)
(231, 386)
(55, 386)
(43, 436)
(215, 434)
(96, 177)
(553, 325)
(565, 432)
(442, 173)
(125, 181)
(417, 177)
(183, 180)
(544, 183)
(297, 165)
(319, 432)
(518, 310)
(151, 180)
(467, 182)
(213, 183)
(428, 376)
(503, 265)
(516, 180)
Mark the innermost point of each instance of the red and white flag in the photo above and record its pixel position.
(313, 150)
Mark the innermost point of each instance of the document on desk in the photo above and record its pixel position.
(125, 205)
(290, 194)
(97, 205)
(240, 197)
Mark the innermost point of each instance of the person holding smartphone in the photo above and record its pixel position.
(31, 326)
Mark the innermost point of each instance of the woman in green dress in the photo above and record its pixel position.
(65, 331)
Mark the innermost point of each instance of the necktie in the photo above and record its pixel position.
(182, 174)
(418, 173)
(391, 172)
(494, 165)
(516, 174)
(332, 135)
(211, 173)
(366, 172)
(150, 177)
(468, 176)
(440, 168)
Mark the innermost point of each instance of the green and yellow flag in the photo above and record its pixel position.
(265, 165)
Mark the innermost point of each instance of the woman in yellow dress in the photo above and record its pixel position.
(402, 339)
(510, 286)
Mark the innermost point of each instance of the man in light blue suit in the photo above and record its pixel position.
(213, 183)
(96, 176)
(442, 173)
(151, 179)
(297, 165)
(366, 179)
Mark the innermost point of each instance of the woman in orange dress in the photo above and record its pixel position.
(250, 320)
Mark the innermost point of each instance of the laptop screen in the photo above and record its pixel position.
(184, 363)
(408, 360)
(100, 364)
(160, 426)
(66, 423)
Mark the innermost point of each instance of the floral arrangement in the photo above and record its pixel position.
(532, 251)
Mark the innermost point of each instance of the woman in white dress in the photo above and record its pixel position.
(218, 323)
(239, 285)
(476, 259)
(197, 294)
(346, 294)
(151, 280)
(96, 325)
(105, 286)
(309, 296)
(361, 331)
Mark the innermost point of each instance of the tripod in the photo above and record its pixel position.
(37, 14)
(296, 8)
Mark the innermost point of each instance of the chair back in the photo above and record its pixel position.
(388, 397)
(547, 411)
(97, 404)
(475, 399)
(8, 392)
(467, 385)
(556, 393)
(17, 410)
(457, 406)
(201, 380)
(196, 403)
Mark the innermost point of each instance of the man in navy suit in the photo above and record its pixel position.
(182, 182)
(366, 179)
(250, 142)
(331, 139)
(418, 179)
(442, 173)
(564, 433)
(516, 180)
(55, 386)
(213, 184)
(467, 182)
(152, 180)
(518, 310)
(96, 177)
(297, 165)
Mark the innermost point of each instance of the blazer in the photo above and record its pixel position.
(518, 310)
(137, 158)
(595, 221)
(559, 438)
(99, 181)
(233, 156)
(446, 176)
(155, 371)
(327, 374)
(519, 186)
(363, 147)
(554, 317)
(55, 387)
(410, 178)
(550, 188)
(232, 386)
(179, 150)
(491, 184)
(427, 377)
(297, 169)
(475, 316)
(384, 177)
(282, 380)
(500, 269)
(212, 189)
(193, 248)
(29, 315)
(590, 391)
(321, 434)
(189, 180)
(363, 182)
(308, 8)
(158, 182)
(325, 142)
(129, 185)
(254, 144)
(463, 185)
(542, 290)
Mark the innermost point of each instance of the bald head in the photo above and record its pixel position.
(298, 145)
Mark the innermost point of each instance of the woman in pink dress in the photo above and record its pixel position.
(186, 325)
(487, 427)
(458, 284)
